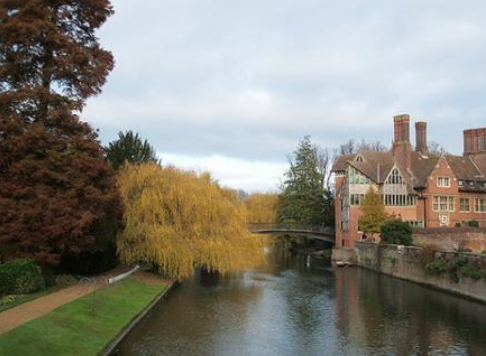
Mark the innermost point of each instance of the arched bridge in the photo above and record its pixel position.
(322, 233)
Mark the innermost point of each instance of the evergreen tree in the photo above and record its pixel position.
(130, 148)
(58, 196)
(303, 196)
(374, 215)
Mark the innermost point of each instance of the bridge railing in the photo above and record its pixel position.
(259, 227)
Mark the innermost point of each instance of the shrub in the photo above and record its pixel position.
(9, 299)
(396, 232)
(437, 267)
(65, 280)
(21, 277)
(458, 224)
(472, 223)
(428, 254)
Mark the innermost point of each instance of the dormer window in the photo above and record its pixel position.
(471, 184)
(461, 183)
(359, 158)
(443, 182)
(394, 177)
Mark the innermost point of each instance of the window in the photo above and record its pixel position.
(465, 208)
(359, 159)
(399, 200)
(461, 183)
(442, 203)
(394, 177)
(480, 205)
(355, 177)
(356, 199)
(444, 182)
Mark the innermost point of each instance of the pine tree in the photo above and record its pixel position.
(130, 148)
(302, 199)
(373, 213)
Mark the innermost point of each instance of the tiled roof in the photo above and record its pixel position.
(422, 167)
(377, 166)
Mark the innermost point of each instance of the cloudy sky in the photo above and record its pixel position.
(232, 85)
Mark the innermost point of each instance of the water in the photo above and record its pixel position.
(303, 307)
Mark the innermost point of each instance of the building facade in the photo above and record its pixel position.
(423, 189)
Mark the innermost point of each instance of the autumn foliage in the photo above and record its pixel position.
(54, 189)
(178, 220)
(262, 208)
(58, 196)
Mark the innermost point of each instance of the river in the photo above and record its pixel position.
(302, 306)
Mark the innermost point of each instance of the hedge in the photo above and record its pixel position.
(396, 232)
(21, 277)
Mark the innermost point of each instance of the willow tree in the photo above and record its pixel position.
(178, 220)
(262, 208)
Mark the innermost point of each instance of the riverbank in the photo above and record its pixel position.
(457, 273)
(88, 325)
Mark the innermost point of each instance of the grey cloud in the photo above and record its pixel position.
(249, 78)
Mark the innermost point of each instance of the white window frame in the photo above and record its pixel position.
(480, 208)
(438, 202)
(461, 199)
(441, 182)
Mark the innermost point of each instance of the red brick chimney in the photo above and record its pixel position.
(402, 148)
(421, 137)
(474, 141)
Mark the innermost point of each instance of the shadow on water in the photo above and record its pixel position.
(301, 306)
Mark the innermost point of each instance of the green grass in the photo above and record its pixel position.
(83, 327)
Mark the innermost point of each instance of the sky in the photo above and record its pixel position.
(232, 86)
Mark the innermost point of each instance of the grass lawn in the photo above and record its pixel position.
(83, 327)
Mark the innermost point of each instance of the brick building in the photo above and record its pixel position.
(423, 189)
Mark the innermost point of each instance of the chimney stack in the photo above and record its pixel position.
(421, 137)
(402, 148)
(474, 141)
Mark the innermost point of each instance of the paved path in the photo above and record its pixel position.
(14, 317)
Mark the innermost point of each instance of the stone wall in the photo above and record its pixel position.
(452, 239)
(407, 263)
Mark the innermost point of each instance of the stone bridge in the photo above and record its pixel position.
(322, 233)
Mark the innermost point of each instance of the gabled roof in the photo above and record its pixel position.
(422, 167)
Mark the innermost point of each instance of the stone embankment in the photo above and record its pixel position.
(460, 273)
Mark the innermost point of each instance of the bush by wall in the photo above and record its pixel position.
(396, 232)
(21, 277)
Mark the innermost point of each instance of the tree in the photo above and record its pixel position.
(58, 197)
(50, 58)
(178, 220)
(373, 213)
(130, 148)
(435, 149)
(261, 208)
(351, 147)
(302, 198)
(396, 232)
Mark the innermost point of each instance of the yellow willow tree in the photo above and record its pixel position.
(178, 220)
(262, 208)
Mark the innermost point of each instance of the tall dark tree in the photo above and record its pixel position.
(50, 58)
(58, 195)
(303, 196)
(130, 148)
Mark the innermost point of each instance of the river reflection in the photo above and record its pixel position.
(298, 306)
